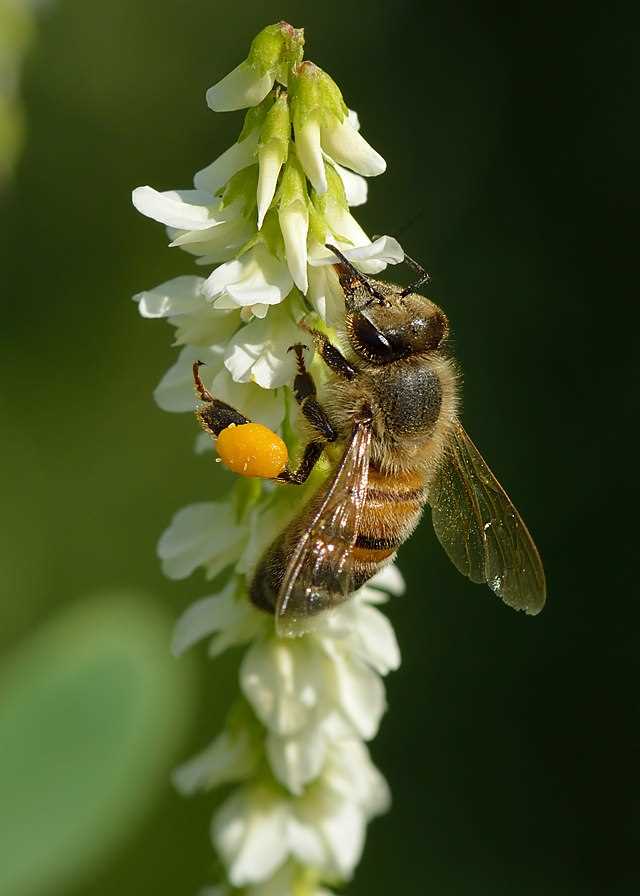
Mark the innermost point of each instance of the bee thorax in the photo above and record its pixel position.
(411, 399)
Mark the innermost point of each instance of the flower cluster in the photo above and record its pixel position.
(261, 216)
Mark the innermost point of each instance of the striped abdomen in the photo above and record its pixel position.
(391, 512)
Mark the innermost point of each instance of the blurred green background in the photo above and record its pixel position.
(511, 744)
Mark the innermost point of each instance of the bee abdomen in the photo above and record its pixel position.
(391, 512)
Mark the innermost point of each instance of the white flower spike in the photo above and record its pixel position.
(259, 221)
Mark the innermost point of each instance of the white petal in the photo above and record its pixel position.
(241, 88)
(177, 296)
(356, 188)
(203, 618)
(309, 153)
(297, 759)
(344, 831)
(184, 209)
(359, 691)
(267, 519)
(361, 632)
(231, 757)
(237, 157)
(325, 294)
(203, 534)
(389, 579)
(341, 824)
(206, 327)
(344, 144)
(350, 772)
(283, 681)
(306, 844)
(352, 118)
(175, 391)
(249, 831)
(262, 405)
(270, 164)
(344, 226)
(247, 315)
(259, 352)
(255, 277)
(378, 254)
(294, 224)
(246, 625)
(215, 244)
(374, 640)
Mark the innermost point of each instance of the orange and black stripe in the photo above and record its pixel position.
(391, 512)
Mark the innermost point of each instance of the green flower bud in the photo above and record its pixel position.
(271, 235)
(273, 150)
(242, 187)
(277, 48)
(255, 117)
(334, 194)
(318, 228)
(294, 220)
(294, 184)
(277, 125)
(314, 93)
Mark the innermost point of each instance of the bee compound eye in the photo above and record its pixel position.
(252, 449)
(373, 343)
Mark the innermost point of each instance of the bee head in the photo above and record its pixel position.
(385, 322)
(394, 325)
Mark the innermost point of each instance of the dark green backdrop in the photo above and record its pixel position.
(510, 743)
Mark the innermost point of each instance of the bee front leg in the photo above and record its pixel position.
(332, 356)
(304, 390)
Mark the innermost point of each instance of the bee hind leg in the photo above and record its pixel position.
(310, 458)
(214, 415)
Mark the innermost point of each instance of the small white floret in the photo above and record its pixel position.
(241, 88)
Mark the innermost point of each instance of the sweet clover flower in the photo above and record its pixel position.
(260, 217)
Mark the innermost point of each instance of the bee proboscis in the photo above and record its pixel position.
(391, 403)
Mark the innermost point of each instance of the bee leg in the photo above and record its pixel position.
(304, 390)
(310, 458)
(215, 415)
(332, 356)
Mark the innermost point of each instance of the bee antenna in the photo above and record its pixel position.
(359, 276)
(423, 276)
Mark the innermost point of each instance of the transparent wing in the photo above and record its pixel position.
(318, 574)
(481, 530)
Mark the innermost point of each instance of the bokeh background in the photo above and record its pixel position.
(511, 744)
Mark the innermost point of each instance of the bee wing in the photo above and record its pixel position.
(481, 530)
(318, 574)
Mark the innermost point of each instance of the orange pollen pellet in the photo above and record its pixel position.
(252, 449)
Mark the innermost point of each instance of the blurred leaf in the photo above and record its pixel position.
(91, 713)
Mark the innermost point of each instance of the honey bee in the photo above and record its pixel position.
(391, 405)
